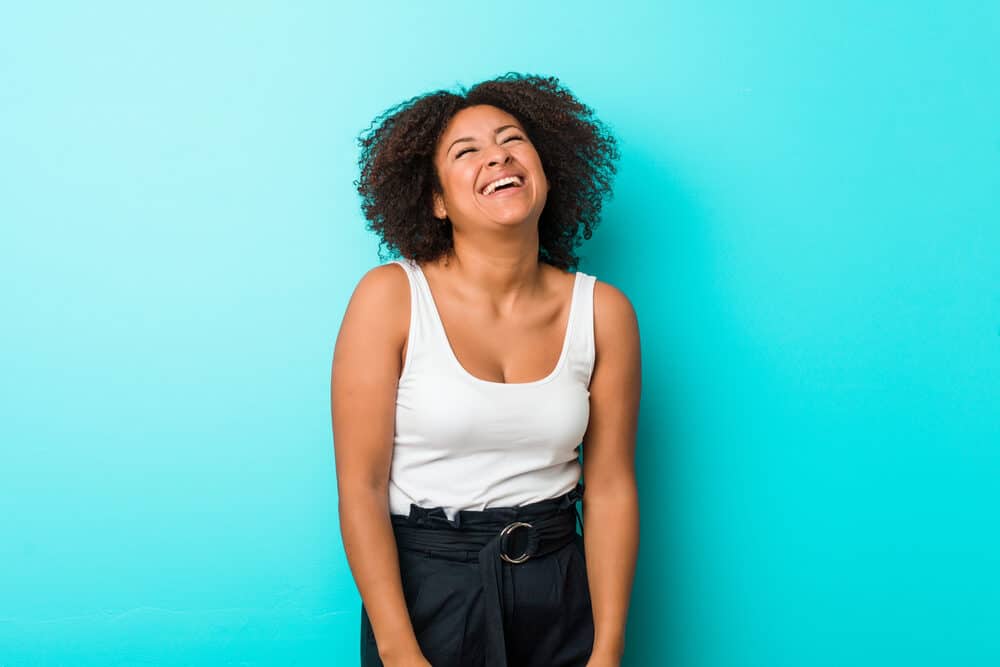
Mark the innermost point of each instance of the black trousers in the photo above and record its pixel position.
(471, 607)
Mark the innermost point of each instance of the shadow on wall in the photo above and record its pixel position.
(653, 243)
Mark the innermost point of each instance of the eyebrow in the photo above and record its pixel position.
(496, 131)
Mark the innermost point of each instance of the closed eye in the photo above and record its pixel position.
(513, 137)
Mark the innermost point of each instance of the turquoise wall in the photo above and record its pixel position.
(806, 219)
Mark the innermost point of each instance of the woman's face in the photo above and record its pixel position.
(480, 145)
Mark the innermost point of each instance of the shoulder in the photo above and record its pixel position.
(384, 285)
(380, 302)
(616, 324)
(611, 307)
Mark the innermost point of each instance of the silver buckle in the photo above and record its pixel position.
(507, 530)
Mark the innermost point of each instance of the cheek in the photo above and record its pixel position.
(536, 164)
(449, 183)
(462, 181)
(532, 158)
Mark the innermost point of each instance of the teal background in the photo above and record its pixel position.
(806, 219)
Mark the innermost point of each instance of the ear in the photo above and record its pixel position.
(440, 212)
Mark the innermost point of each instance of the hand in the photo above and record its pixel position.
(412, 660)
(603, 661)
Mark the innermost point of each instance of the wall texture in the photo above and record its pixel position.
(806, 219)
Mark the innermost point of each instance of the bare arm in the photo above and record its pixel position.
(610, 503)
(366, 367)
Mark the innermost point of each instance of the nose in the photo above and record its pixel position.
(498, 155)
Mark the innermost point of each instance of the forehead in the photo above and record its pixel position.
(479, 119)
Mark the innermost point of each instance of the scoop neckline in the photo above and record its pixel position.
(563, 353)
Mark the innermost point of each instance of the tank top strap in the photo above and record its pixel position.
(422, 345)
(582, 348)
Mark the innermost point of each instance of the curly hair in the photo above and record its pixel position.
(398, 177)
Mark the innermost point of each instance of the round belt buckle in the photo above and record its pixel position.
(507, 530)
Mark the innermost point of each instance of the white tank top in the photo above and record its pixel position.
(462, 442)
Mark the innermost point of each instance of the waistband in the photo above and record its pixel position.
(498, 538)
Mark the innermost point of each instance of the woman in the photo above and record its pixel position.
(466, 375)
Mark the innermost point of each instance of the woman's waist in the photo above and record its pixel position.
(533, 528)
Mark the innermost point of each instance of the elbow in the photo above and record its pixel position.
(362, 498)
(618, 486)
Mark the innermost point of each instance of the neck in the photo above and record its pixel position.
(496, 274)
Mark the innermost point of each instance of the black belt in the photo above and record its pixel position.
(499, 538)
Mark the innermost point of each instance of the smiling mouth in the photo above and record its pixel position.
(503, 184)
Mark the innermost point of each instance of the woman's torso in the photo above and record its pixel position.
(463, 441)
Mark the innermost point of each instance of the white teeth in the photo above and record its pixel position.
(488, 190)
